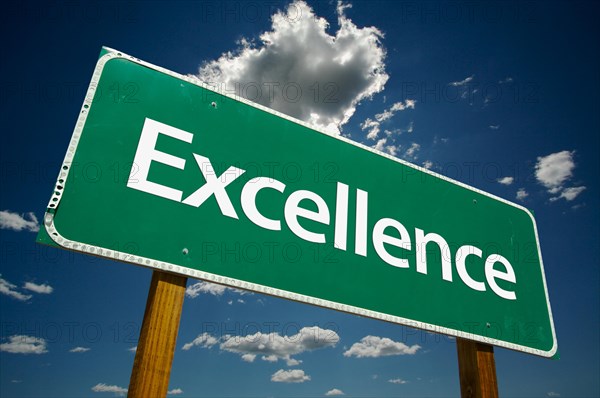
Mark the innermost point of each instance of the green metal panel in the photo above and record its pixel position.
(94, 211)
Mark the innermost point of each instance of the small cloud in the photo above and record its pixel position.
(41, 289)
(79, 349)
(494, 126)
(204, 340)
(411, 152)
(132, 349)
(380, 146)
(290, 376)
(375, 347)
(101, 387)
(10, 290)
(428, 164)
(17, 222)
(372, 126)
(175, 391)
(507, 79)
(16, 381)
(522, 194)
(553, 394)
(334, 393)
(506, 180)
(248, 357)
(397, 381)
(213, 289)
(554, 170)
(569, 194)
(462, 82)
(21, 344)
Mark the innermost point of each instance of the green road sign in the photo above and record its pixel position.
(164, 172)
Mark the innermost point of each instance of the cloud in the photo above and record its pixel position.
(41, 289)
(554, 170)
(132, 349)
(494, 126)
(21, 344)
(270, 347)
(175, 391)
(428, 164)
(334, 393)
(101, 387)
(506, 180)
(411, 152)
(290, 376)
(204, 340)
(375, 347)
(553, 394)
(300, 69)
(397, 381)
(507, 79)
(199, 288)
(462, 82)
(374, 126)
(79, 349)
(9, 290)
(522, 194)
(16, 222)
(569, 193)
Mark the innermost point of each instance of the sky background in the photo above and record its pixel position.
(502, 96)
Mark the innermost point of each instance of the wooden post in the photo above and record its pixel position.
(477, 369)
(156, 346)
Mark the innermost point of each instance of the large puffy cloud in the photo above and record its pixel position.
(374, 347)
(21, 344)
(18, 222)
(299, 69)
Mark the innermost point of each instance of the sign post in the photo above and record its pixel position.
(156, 345)
(477, 369)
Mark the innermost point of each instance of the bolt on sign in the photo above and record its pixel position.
(164, 172)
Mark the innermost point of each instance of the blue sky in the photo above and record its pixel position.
(500, 95)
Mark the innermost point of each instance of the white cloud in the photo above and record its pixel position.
(17, 222)
(428, 164)
(506, 180)
(569, 193)
(372, 126)
(522, 194)
(553, 394)
(199, 288)
(175, 391)
(374, 347)
(462, 82)
(554, 170)
(9, 290)
(204, 340)
(299, 69)
(132, 349)
(508, 79)
(397, 381)
(411, 152)
(273, 347)
(101, 387)
(290, 376)
(79, 349)
(391, 111)
(41, 289)
(334, 393)
(494, 126)
(270, 347)
(21, 344)
(380, 146)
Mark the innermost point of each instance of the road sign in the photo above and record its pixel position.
(164, 172)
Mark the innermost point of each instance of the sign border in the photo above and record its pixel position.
(108, 54)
